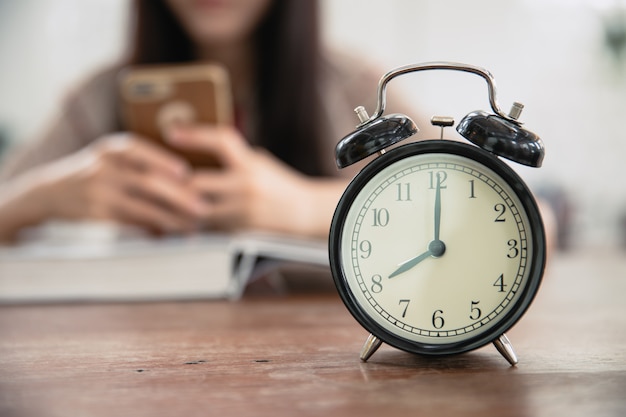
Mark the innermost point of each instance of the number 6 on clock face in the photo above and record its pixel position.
(437, 247)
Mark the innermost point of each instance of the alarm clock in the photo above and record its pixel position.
(437, 247)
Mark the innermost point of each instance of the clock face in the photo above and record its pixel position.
(433, 249)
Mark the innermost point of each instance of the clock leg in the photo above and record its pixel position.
(371, 345)
(506, 349)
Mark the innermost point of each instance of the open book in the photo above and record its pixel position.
(118, 267)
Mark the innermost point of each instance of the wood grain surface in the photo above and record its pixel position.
(297, 354)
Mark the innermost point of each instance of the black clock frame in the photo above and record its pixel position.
(537, 263)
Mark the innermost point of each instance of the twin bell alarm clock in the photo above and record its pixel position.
(437, 247)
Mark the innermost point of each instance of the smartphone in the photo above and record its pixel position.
(154, 97)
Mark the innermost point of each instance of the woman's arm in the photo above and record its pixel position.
(119, 178)
(21, 205)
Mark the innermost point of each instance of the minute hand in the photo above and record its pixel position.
(437, 209)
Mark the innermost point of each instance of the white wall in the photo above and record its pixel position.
(46, 46)
(548, 54)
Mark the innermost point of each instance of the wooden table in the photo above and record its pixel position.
(298, 355)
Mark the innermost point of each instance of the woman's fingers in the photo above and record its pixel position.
(215, 184)
(224, 142)
(140, 211)
(143, 155)
(153, 183)
(227, 214)
(135, 181)
(160, 189)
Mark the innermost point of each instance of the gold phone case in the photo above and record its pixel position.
(157, 96)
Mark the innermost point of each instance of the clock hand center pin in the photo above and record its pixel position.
(437, 248)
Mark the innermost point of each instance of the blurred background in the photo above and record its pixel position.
(564, 59)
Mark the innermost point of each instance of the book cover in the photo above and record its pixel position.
(102, 264)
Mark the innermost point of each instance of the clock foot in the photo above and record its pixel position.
(506, 349)
(371, 345)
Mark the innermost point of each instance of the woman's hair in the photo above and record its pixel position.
(288, 54)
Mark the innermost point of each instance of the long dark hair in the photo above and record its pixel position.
(288, 54)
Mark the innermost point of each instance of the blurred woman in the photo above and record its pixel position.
(293, 101)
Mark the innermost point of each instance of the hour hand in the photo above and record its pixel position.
(408, 264)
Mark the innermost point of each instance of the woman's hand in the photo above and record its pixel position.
(120, 178)
(253, 189)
